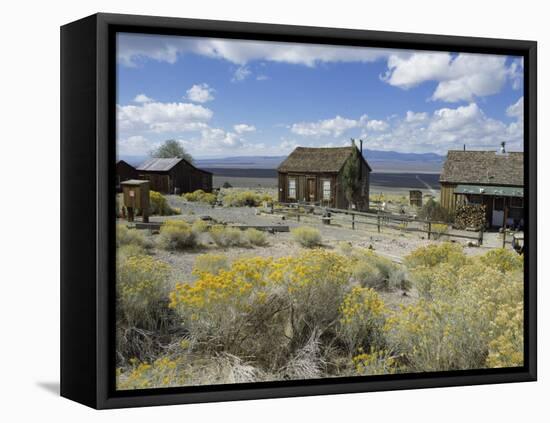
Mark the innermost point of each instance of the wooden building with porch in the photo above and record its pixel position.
(314, 176)
(492, 179)
(174, 176)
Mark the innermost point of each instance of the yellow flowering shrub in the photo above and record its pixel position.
(503, 260)
(471, 316)
(237, 198)
(200, 226)
(307, 236)
(362, 318)
(159, 205)
(200, 196)
(161, 373)
(434, 254)
(177, 235)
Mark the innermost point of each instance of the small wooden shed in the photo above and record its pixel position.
(314, 176)
(174, 176)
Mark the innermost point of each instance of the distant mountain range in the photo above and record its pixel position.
(380, 161)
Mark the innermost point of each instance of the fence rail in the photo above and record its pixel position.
(381, 220)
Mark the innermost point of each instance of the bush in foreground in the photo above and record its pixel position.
(307, 236)
(177, 235)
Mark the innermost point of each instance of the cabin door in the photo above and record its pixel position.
(498, 211)
(311, 191)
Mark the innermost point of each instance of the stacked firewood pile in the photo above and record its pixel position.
(469, 216)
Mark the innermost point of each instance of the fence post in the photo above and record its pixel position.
(298, 216)
(481, 235)
(429, 230)
(378, 222)
(353, 221)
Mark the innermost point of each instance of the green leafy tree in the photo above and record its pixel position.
(170, 149)
(350, 176)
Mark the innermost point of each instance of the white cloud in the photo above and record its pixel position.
(136, 145)
(142, 98)
(516, 109)
(377, 125)
(446, 129)
(241, 73)
(462, 77)
(328, 127)
(132, 49)
(243, 127)
(415, 117)
(200, 93)
(162, 117)
(337, 126)
(262, 78)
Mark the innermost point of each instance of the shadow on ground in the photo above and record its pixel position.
(51, 387)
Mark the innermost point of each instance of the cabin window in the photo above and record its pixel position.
(292, 188)
(498, 204)
(516, 202)
(326, 189)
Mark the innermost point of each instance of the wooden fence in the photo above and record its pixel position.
(380, 220)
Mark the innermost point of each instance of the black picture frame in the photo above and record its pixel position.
(87, 209)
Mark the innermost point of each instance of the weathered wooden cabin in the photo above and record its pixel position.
(485, 177)
(174, 176)
(124, 172)
(314, 176)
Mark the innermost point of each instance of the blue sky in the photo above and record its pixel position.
(231, 97)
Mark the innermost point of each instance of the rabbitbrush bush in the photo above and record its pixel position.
(256, 237)
(177, 235)
(159, 205)
(307, 236)
(225, 236)
(210, 263)
(201, 197)
(469, 316)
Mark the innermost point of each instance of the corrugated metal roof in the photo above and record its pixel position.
(159, 165)
(483, 167)
(498, 191)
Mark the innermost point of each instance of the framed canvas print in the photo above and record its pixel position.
(256, 211)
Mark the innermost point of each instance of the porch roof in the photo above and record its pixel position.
(497, 191)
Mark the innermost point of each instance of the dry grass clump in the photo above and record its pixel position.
(235, 198)
(256, 237)
(210, 263)
(374, 271)
(307, 236)
(439, 230)
(126, 236)
(224, 236)
(177, 235)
